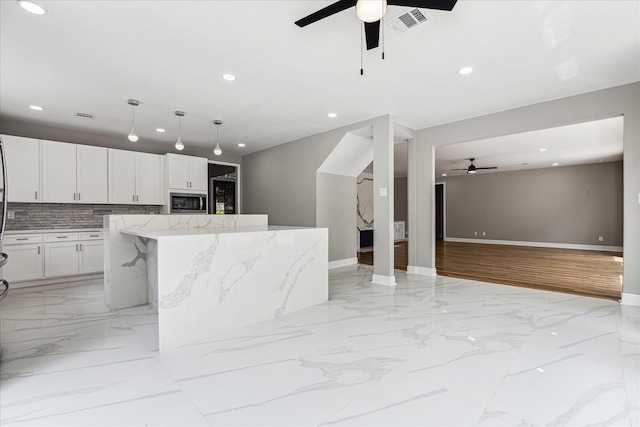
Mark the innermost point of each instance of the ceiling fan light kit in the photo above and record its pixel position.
(371, 10)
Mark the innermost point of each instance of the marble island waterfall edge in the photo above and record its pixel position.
(206, 282)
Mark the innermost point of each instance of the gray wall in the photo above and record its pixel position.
(40, 131)
(572, 204)
(400, 199)
(336, 210)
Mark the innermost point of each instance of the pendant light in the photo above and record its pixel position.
(133, 136)
(217, 151)
(179, 144)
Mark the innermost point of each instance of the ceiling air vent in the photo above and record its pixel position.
(406, 21)
(84, 116)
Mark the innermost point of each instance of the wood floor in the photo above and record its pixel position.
(590, 273)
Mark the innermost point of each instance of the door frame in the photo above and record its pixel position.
(238, 182)
(444, 210)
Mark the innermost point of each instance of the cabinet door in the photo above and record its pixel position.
(122, 176)
(91, 257)
(178, 171)
(58, 172)
(25, 262)
(198, 173)
(149, 179)
(23, 169)
(92, 172)
(60, 259)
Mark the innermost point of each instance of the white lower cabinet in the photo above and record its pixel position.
(24, 263)
(52, 255)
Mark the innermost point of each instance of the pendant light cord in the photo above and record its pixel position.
(133, 116)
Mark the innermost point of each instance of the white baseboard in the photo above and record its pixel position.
(378, 279)
(537, 244)
(342, 262)
(423, 271)
(55, 281)
(630, 299)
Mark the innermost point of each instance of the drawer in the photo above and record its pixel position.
(92, 235)
(60, 237)
(17, 239)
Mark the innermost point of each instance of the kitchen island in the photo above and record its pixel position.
(209, 274)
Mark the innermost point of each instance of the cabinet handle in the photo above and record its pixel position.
(80, 245)
(23, 238)
(94, 235)
(38, 249)
(36, 197)
(137, 198)
(61, 237)
(133, 198)
(74, 196)
(78, 196)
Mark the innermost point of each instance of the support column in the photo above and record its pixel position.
(383, 202)
(421, 202)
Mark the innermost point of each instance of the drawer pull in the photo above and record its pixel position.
(94, 235)
(23, 238)
(61, 237)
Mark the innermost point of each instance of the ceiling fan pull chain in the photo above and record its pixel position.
(382, 34)
(361, 55)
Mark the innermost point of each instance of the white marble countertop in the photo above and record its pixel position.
(156, 234)
(54, 230)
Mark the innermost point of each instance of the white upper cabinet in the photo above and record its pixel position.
(187, 172)
(149, 179)
(135, 178)
(73, 173)
(92, 174)
(58, 172)
(23, 169)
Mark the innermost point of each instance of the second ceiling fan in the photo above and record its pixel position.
(473, 168)
(371, 12)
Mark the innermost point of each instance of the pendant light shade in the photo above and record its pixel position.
(133, 136)
(179, 144)
(371, 10)
(217, 151)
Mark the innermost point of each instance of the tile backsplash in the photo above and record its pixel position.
(35, 216)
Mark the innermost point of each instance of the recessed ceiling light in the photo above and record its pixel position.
(241, 145)
(229, 77)
(332, 115)
(36, 107)
(542, 149)
(555, 164)
(160, 130)
(465, 70)
(30, 6)
(444, 174)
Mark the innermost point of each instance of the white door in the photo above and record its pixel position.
(91, 257)
(149, 179)
(122, 176)
(178, 171)
(92, 174)
(198, 172)
(60, 259)
(23, 169)
(25, 262)
(58, 172)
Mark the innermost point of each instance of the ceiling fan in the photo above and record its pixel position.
(472, 168)
(371, 12)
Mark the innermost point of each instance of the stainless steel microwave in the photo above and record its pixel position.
(181, 203)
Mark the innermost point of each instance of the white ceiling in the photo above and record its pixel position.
(91, 56)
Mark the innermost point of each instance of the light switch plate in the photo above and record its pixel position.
(382, 192)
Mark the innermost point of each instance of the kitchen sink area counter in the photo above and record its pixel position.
(209, 274)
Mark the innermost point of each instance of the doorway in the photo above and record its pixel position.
(224, 188)
(440, 209)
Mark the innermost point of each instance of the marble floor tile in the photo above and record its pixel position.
(431, 351)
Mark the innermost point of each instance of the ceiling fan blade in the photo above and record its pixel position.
(463, 169)
(425, 4)
(332, 9)
(372, 34)
(492, 167)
